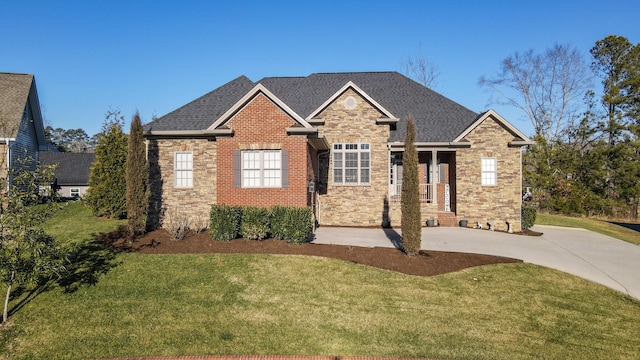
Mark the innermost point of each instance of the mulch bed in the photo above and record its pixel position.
(427, 263)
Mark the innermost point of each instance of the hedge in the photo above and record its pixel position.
(528, 217)
(255, 223)
(225, 222)
(288, 223)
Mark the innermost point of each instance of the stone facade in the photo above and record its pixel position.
(261, 125)
(498, 204)
(354, 205)
(166, 199)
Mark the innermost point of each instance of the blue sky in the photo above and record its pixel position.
(154, 56)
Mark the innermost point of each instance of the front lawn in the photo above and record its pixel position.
(144, 305)
(599, 226)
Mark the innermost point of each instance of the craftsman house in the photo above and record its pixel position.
(335, 142)
(21, 127)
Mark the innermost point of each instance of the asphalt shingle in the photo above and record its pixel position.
(72, 168)
(14, 92)
(438, 119)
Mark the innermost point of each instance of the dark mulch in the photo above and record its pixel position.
(427, 263)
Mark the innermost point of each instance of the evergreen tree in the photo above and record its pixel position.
(107, 181)
(411, 223)
(137, 179)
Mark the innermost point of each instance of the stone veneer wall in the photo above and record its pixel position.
(501, 203)
(165, 198)
(354, 205)
(261, 125)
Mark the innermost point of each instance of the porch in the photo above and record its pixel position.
(436, 171)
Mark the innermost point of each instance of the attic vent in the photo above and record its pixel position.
(350, 103)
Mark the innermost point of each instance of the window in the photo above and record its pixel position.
(74, 192)
(351, 164)
(489, 171)
(261, 168)
(183, 167)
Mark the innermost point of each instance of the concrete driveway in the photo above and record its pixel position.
(592, 256)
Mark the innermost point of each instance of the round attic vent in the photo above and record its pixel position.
(350, 103)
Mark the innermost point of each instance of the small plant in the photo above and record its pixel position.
(255, 223)
(176, 223)
(529, 215)
(225, 222)
(278, 223)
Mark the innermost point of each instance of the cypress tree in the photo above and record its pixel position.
(411, 223)
(106, 195)
(137, 176)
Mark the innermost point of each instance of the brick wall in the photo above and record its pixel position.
(354, 205)
(165, 198)
(261, 125)
(500, 203)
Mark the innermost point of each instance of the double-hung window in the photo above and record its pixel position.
(183, 168)
(261, 168)
(489, 171)
(351, 163)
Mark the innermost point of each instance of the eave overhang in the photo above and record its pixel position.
(193, 134)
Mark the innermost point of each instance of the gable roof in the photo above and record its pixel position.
(14, 92)
(437, 118)
(520, 138)
(72, 168)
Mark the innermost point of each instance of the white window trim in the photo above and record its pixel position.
(494, 172)
(187, 170)
(261, 169)
(343, 151)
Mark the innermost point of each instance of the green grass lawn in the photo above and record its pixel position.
(599, 226)
(144, 305)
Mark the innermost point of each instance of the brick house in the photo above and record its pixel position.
(334, 141)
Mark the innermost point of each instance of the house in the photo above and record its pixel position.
(71, 174)
(21, 127)
(334, 141)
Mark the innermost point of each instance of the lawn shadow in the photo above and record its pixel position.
(631, 226)
(91, 260)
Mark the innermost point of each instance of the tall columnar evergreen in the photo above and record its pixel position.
(411, 223)
(107, 181)
(137, 179)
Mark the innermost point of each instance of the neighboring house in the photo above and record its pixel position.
(335, 142)
(71, 175)
(21, 129)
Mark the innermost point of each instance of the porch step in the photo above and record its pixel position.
(447, 219)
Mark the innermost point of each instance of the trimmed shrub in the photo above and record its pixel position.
(278, 222)
(528, 217)
(299, 225)
(225, 222)
(255, 223)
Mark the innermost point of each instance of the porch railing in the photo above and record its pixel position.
(395, 193)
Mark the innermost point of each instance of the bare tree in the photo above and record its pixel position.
(548, 87)
(421, 70)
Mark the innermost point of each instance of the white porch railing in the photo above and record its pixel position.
(395, 193)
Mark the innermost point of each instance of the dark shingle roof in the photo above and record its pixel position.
(438, 118)
(14, 92)
(72, 168)
(203, 111)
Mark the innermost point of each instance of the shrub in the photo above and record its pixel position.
(255, 223)
(298, 225)
(528, 217)
(176, 223)
(225, 222)
(278, 222)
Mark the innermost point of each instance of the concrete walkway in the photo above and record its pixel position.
(592, 256)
